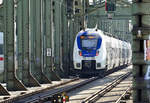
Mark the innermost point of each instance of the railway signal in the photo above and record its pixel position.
(78, 7)
(69, 8)
(110, 5)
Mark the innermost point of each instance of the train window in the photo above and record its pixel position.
(1, 49)
(1, 43)
(89, 43)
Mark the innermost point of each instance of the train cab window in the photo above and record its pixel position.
(89, 44)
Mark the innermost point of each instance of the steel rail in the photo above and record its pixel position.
(24, 95)
(101, 93)
(123, 96)
(48, 94)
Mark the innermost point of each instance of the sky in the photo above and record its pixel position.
(1, 1)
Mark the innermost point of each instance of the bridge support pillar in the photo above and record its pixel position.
(48, 60)
(37, 42)
(141, 51)
(57, 37)
(9, 63)
(23, 44)
(65, 39)
(3, 91)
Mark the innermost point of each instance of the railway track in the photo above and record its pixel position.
(99, 94)
(52, 93)
(125, 96)
(91, 92)
(47, 93)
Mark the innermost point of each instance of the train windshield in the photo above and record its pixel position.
(89, 44)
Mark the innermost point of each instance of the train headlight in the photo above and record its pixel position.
(97, 53)
(78, 65)
(80, 53)
(98, 64)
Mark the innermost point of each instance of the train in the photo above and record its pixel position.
(96, 51)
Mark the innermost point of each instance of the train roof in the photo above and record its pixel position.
(95, 31)
(90, 31)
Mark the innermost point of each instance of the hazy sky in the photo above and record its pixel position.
(1, 1)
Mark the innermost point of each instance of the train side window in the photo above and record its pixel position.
(1, 49)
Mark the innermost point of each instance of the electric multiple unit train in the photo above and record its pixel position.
(94, 52)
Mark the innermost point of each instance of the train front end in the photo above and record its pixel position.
(89, 52)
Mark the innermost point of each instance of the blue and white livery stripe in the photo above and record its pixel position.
(92, 51)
